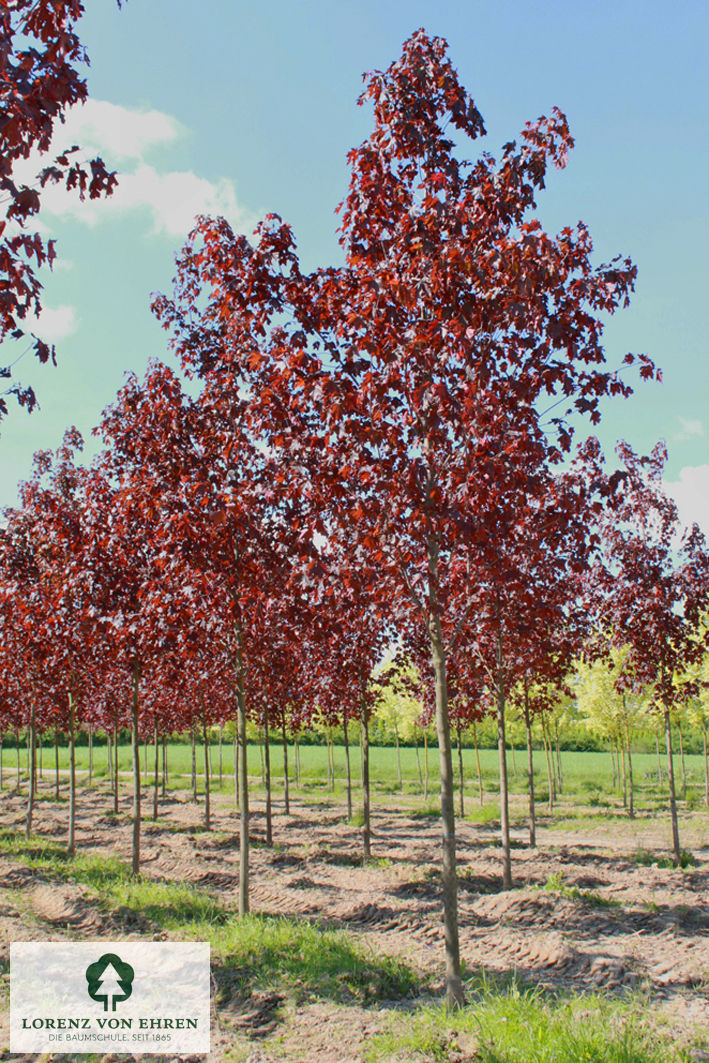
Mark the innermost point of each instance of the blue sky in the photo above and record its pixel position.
(242, 109)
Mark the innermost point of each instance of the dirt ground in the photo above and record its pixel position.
(654, 936)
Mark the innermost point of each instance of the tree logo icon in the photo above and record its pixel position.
(110, 980)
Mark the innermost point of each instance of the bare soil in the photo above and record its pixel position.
(652, 932)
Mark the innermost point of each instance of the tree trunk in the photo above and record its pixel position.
(157, 770)
(17, 750)
(146, 769)
(460, 774)
(56, 763)
(671, 783)
(115, 764)
(530, 772)
(207, 780)
(514, 759)
(286, 793)
(504, 792)
(91, 755)
(331, 761)
(40, 744)
(418, 760)
(615, 777)
(31, 768)
(631, 803)
(684, 767)
(194, 763)
(398, 758)
(425, 766)
(296, 758)
(236, 767)
(109, 759)
(164, 766)
(550, 775)
(706, 764)
(366, 825)
(454, 985)
(267, 753)
(136, 773)
(71, 847)
(260, 753)
(659, 765)
(221, 739)
(348, 768)
(477, 764)
(243, 784)
(621, 759)
(558, 757)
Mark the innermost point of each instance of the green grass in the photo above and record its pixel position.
(556, 883)
(517, 1025)
(294, 956)
(646, 858)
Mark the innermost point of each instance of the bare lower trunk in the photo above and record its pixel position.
(164, 766)
(671, 782)
(454, 985)
(91, 755)
(221, 743)
(659, 764)
(193, 750)
(398, 758)
(631, 802)
(31, 768)
(71, 847)
(348, 768)
(157, 771)
(706, 764)
(56, 763)
(621, 758)
(616, 777)
(550, 774)
(236, 768)
(286, 792)
(514, 759)
(243, 784)
(109, 758)
(267, 756)
(17, 750)
(504, 791)
(366, 825)
(477, 764)
(115, 764)
(136, 773)
(296, 758)
(461, 786)
(418, 761)
(425, 766)
(530, 773)
(207, 781)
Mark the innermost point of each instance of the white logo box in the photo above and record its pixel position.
(162, 1007)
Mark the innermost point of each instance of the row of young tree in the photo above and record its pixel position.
(362, 459)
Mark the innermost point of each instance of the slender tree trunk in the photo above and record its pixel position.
(631, 801)
(31, 769)
(91, 755)
(236, 767)
(193, 744)
(550, 774)
(418, 760)
(425, 766)
(40, 745)
(56, 763)
(671, 782)
(267, 752)
(477, 764)
(243, 783)
(286, 792)
(684, 767)
(17, 750)
(398, 758)
(621, 758)
(260, 751)
(706, 764)
(136, 772)
(614, 773)
(530, 772)
(71, 847)
(1, 778)
(348, 768)
(157, 770)
(504, 790)
(659, 762)
(221, 740)
(164, 766)
(115, 764)
(514, 759)
(367, 824)
(296, 758)
(207, 780)
(454, 986)
(559, 772)
(460, 774)
(146, 770)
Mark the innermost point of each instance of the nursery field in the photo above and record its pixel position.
(599, 952)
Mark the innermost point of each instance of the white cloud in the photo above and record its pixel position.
(123, 136)
(173, 200)
(691, 493)
(53, 324)
(689, 428)
(120, 132)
